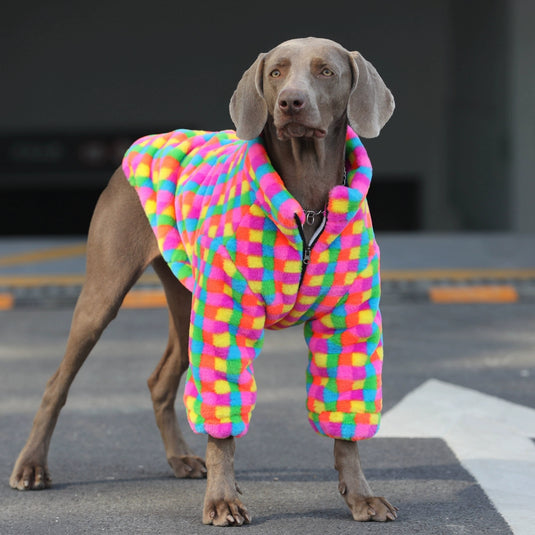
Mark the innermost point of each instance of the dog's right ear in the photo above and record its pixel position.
(248, 109)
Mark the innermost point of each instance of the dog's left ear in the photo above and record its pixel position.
(371, 103)
(248, 109)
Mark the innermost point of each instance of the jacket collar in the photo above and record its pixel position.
(281, 207)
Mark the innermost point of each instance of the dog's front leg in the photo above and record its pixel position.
(222, 507)
(354, 487)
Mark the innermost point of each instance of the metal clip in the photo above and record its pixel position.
(310, 216)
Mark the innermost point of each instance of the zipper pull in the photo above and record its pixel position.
(306, 255)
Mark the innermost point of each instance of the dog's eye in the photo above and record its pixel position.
(275, 73)
(327, 72)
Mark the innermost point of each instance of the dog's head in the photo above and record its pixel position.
(305, 86)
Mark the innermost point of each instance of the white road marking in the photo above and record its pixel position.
(490, 436)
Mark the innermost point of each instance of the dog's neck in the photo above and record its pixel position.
(309, 167)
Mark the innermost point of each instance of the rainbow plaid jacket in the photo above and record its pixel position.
(232, 234)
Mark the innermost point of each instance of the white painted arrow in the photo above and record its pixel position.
(490, 436)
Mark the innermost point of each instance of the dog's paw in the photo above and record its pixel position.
(375, 509)
(188, 466)
(30, 476)
(226, 512)
(368, 508)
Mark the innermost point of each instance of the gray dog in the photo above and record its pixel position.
(243, 230)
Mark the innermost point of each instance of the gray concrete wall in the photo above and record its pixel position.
(69, 66)
(522, 115)
(478, 136)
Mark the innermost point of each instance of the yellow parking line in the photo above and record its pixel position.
(458, 274)
(7, 301)
(32, 281)
(43, 255)
(145, 299)
(18, 281)
(473, 294)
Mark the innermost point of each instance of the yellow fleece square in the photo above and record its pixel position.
(222, 414)
(317, 406)
(359, 359)
(159, 142)
(366, 294)
(339, 206)
(349, 278)
(256, 235)
(189, 401)
(336, 417)
(324, 257)
(292, 266)
(169, 211)
(255, 286)
(366, 317)
(255, 262)
(316, 280)
(327, 321)
(229, 230)
(256, 211)
(357, 407)
(220, 365)
(289, 289)
(355, 253)
(307, 299)
(223, 314)
(229, 267)
(143, 170)
(320, 360)
(358, 227)
(367, 271)
(150, 206)
(221, 387)
(258, 323)
(222, 340)
(165, 173)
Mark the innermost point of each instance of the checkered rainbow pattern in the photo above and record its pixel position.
(227, 227)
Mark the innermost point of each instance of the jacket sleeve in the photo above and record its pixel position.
(226, 335)
(344, 394)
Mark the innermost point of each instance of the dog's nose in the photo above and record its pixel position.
(291, 100)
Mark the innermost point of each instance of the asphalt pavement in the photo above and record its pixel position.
(107, 461)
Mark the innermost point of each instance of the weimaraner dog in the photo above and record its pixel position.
(299, 98)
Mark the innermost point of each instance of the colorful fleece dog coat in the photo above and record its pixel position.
(232, 234)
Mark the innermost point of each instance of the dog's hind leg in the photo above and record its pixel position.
(164, 381)
(120, 246)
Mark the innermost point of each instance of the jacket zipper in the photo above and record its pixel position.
(307, 246)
